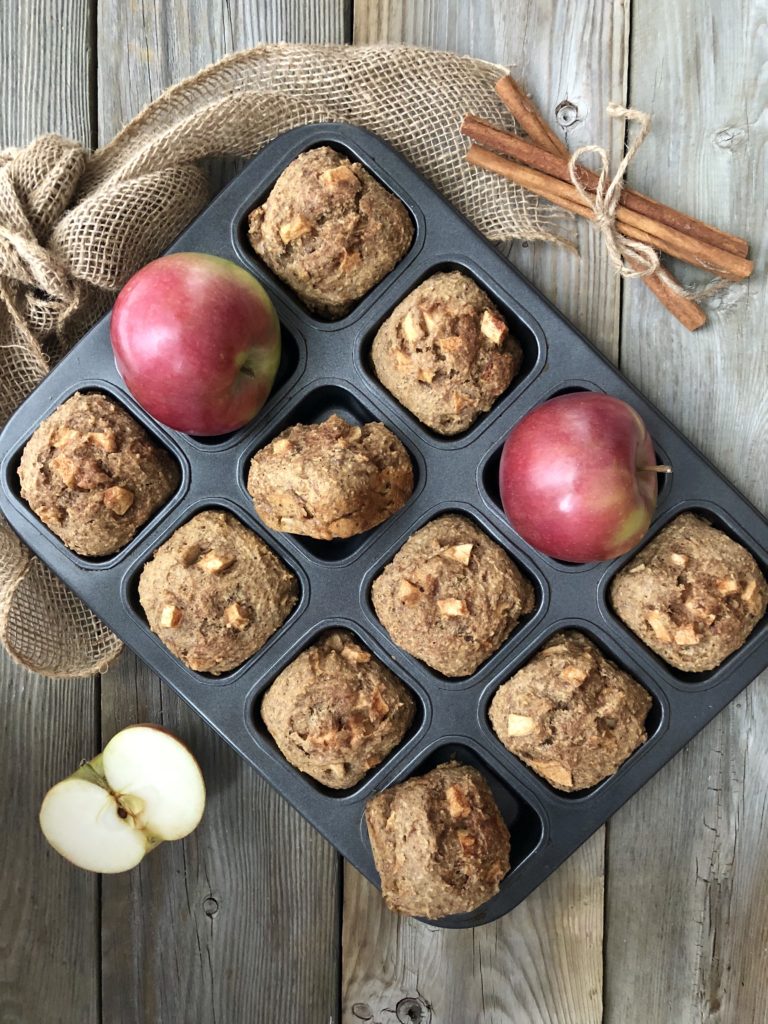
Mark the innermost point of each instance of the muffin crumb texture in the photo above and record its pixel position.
(330, 231)
(330, 480)
(692, 594)
(446, 352)
(570, 714)
(451, 596)
(336, 712)
(93, 475)
(214, 592)
(439, 842)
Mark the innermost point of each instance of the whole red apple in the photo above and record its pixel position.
(577, 478)
(197, 342)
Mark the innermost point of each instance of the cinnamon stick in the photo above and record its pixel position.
(556, 165)
(663, 285)
(632, 225)
(681, 306)
(524, 111)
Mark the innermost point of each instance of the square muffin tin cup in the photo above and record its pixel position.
(375, 778)
(326, 367)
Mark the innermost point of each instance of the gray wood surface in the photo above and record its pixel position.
(226, 926)
(693, 842)
(49, 910)
(659, 918)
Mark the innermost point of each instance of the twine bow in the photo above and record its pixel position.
(628, 257)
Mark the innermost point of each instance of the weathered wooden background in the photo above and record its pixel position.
(662, 918)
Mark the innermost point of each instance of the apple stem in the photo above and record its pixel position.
(655, 469)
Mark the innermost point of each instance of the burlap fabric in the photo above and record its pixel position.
(74, 226)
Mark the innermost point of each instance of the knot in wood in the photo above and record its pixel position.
(413, 1011)
(362, 1011)
(731, 137)
(210, 906)
(566, 114)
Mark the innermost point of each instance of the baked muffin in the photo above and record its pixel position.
(570, 714)
(215, 593)
(446, 353)
(439, 842)
(451, 596)
(93, 475)
(692, 594)
(331, 479)
(336, 711)
(330, 231)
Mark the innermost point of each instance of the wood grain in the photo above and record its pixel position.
(49, 941)
(495, 974)
(44, 70)
(239, 923)
(693, 842)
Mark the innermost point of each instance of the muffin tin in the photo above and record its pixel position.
(325, 368)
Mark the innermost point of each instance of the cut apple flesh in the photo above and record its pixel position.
(145, 787)
(82, 822)
(158, 780)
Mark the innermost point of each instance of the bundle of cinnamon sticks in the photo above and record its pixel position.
(540, 164)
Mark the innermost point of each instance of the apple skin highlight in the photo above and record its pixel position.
(197, 341)
(572, 477)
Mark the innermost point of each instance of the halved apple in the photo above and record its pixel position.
(144, 788)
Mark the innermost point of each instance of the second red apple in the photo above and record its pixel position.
(576, 477)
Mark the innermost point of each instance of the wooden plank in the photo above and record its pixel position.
(49, 952)
(44, 70)
(239, 923)
(543, 962)
(687, 856)
(49, 949)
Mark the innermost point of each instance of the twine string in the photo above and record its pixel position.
(628, 257)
